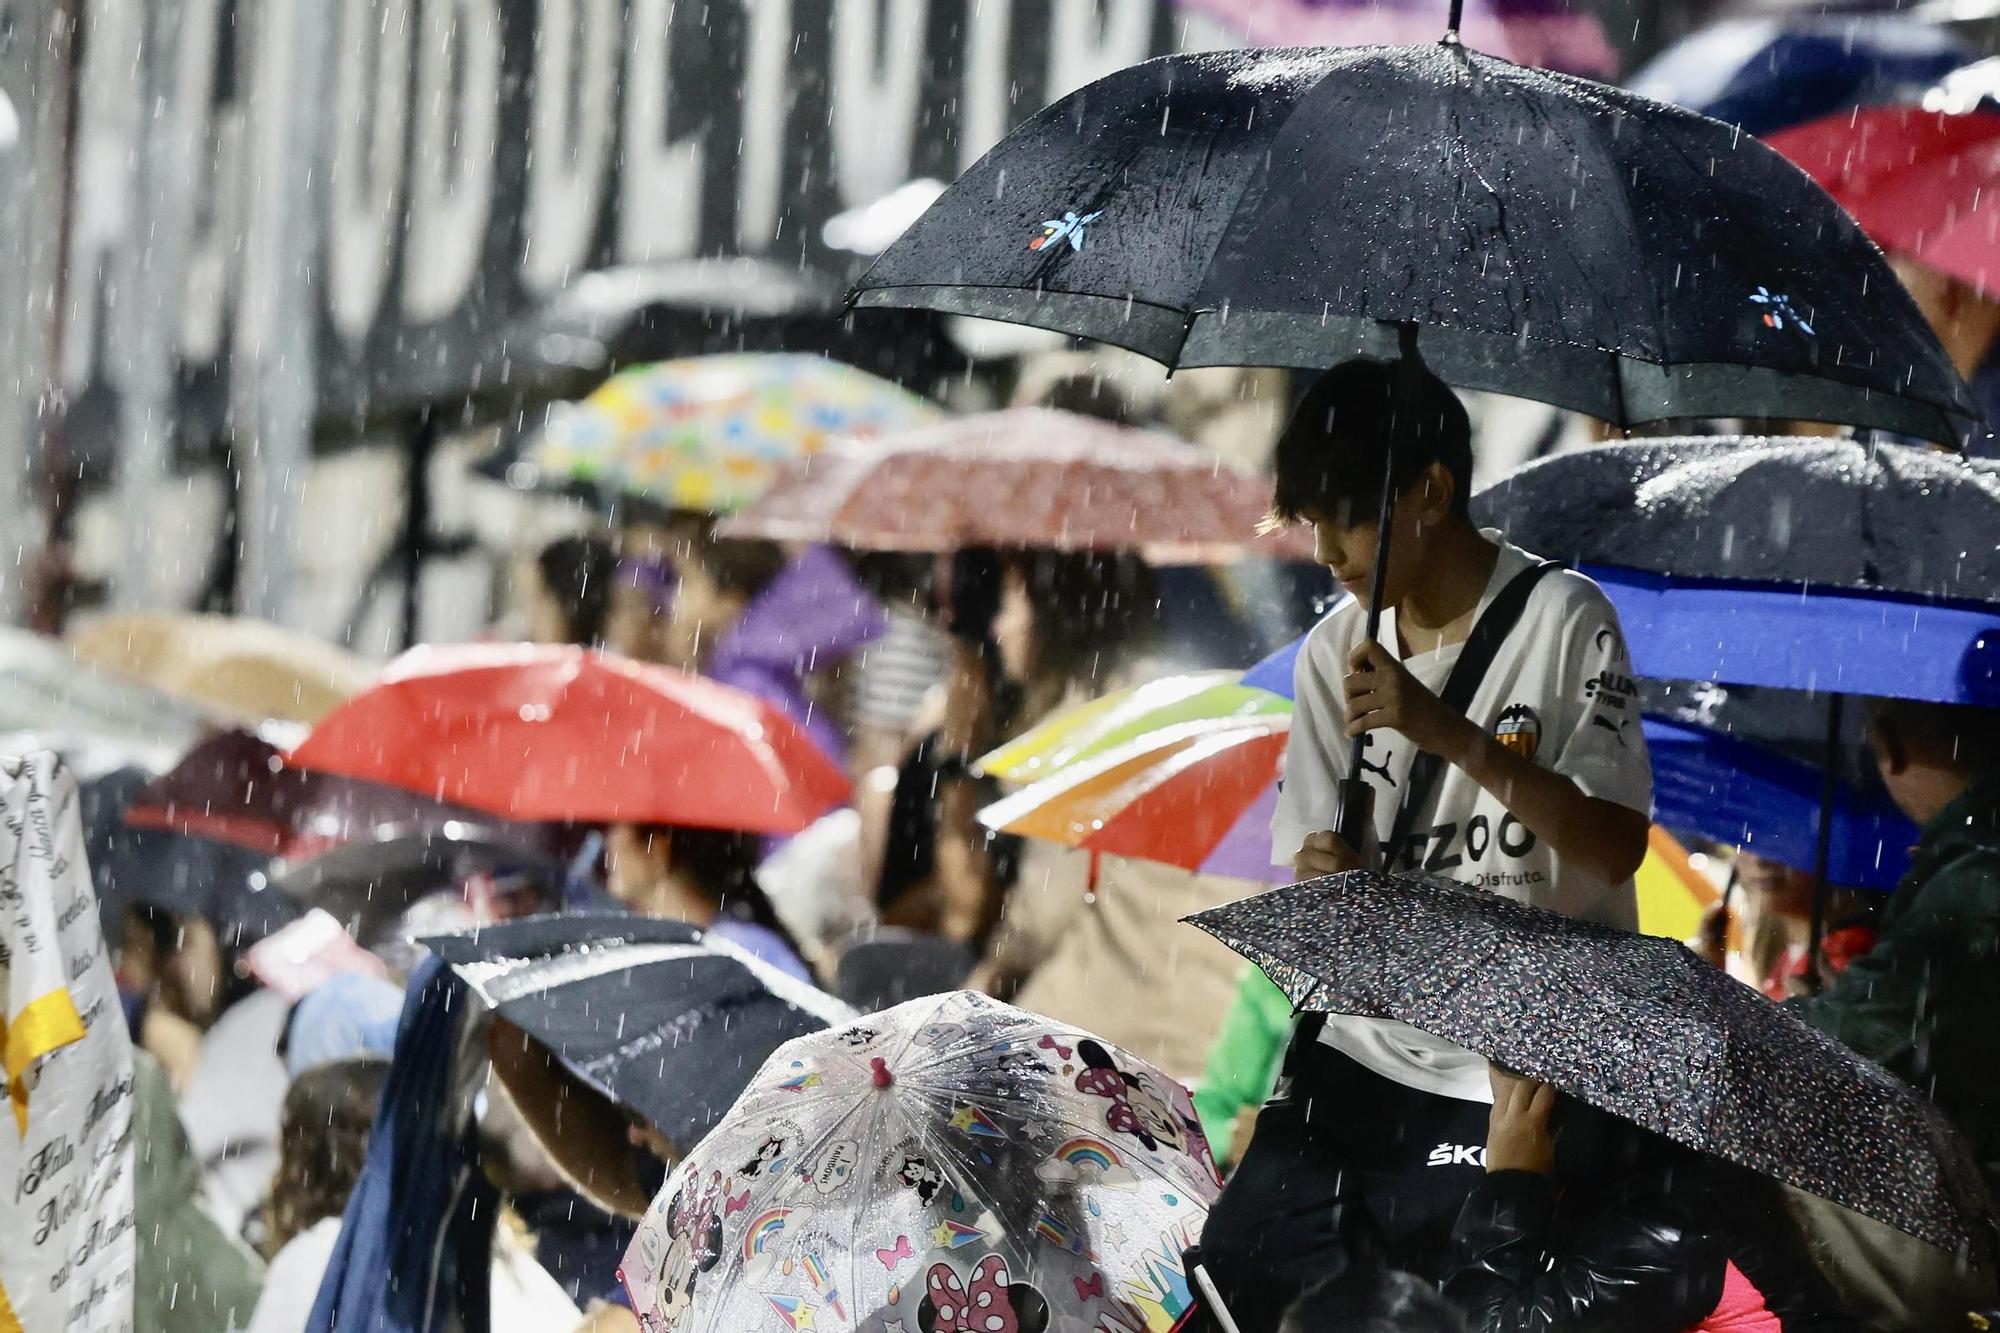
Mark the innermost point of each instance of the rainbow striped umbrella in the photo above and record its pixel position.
(709, 433)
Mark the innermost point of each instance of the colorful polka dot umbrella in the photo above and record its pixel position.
(709, 433)
(1634, 1025)
(952, 1165)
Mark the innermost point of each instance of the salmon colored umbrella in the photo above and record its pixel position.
(1921, 183)
(553, 732)
(1027, 477)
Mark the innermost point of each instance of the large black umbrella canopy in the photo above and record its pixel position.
(644, 1015)
(1552, 238)
(1820, 512)
(1631, 1024)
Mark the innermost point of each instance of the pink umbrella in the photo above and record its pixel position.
(1028, 477)
(1545, 33)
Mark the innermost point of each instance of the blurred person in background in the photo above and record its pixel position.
(1967, 321)
(567, 598)
(1777, 927)
(705, 877)
(1032, 631)
(680, 588)
(329, 1111)
(215, 1032)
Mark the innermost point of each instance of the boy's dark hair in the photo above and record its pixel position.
(1356, 420)
(1370, 1299)
(1962, 736)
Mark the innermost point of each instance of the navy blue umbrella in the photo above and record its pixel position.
(1767, 74)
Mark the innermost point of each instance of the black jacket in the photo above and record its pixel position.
(1345, 1165)
(1642, 1249)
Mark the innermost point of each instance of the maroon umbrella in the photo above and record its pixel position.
(237, 788)
(1028, 477)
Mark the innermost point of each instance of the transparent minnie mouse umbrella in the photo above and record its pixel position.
(952, 1165)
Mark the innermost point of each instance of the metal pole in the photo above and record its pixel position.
(416, 535)
(1829, 789)
(150, 283)
(273, 381)
(49, 572)
(36, 78)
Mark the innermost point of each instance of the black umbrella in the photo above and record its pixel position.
(368, 883)
(1823, 512)
(172, 872)
(604, 1018)
(1551, 237)
(1631, 1024)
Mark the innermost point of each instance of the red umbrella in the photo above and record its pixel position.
(237, 788)
(550, 732)
(1027, 477)
(1921, 183)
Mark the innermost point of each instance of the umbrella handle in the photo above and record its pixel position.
(1356, 813)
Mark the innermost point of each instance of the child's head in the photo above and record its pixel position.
(1357, 421)
(1368, 1299)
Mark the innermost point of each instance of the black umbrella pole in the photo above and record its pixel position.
(1823, 850)
(1356, 797)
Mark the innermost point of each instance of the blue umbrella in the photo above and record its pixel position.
(1802, 638)
(1766, 74)
(1739, 793)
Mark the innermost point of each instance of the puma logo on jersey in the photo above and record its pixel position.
(1457, 1154)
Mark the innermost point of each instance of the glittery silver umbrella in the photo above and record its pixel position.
(1635, 1025)
(952, 1165)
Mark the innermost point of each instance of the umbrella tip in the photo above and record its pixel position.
(883, 1078)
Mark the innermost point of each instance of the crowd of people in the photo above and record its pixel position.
(1373, 1177)
(1375, 1172)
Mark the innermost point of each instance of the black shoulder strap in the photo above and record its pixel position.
(1495, 623)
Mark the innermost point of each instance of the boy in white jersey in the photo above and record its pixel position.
(1544, 789)
(1542, 795)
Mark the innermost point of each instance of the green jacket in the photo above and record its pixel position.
(1925, 1001)
(191, 1277)
(1243, 1063)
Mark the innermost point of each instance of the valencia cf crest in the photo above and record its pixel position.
(1519, 730)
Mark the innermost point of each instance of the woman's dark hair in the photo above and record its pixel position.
(1357, 420)
(723, 863)
(323, 1141)
(577, 571)
(1092, 609)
